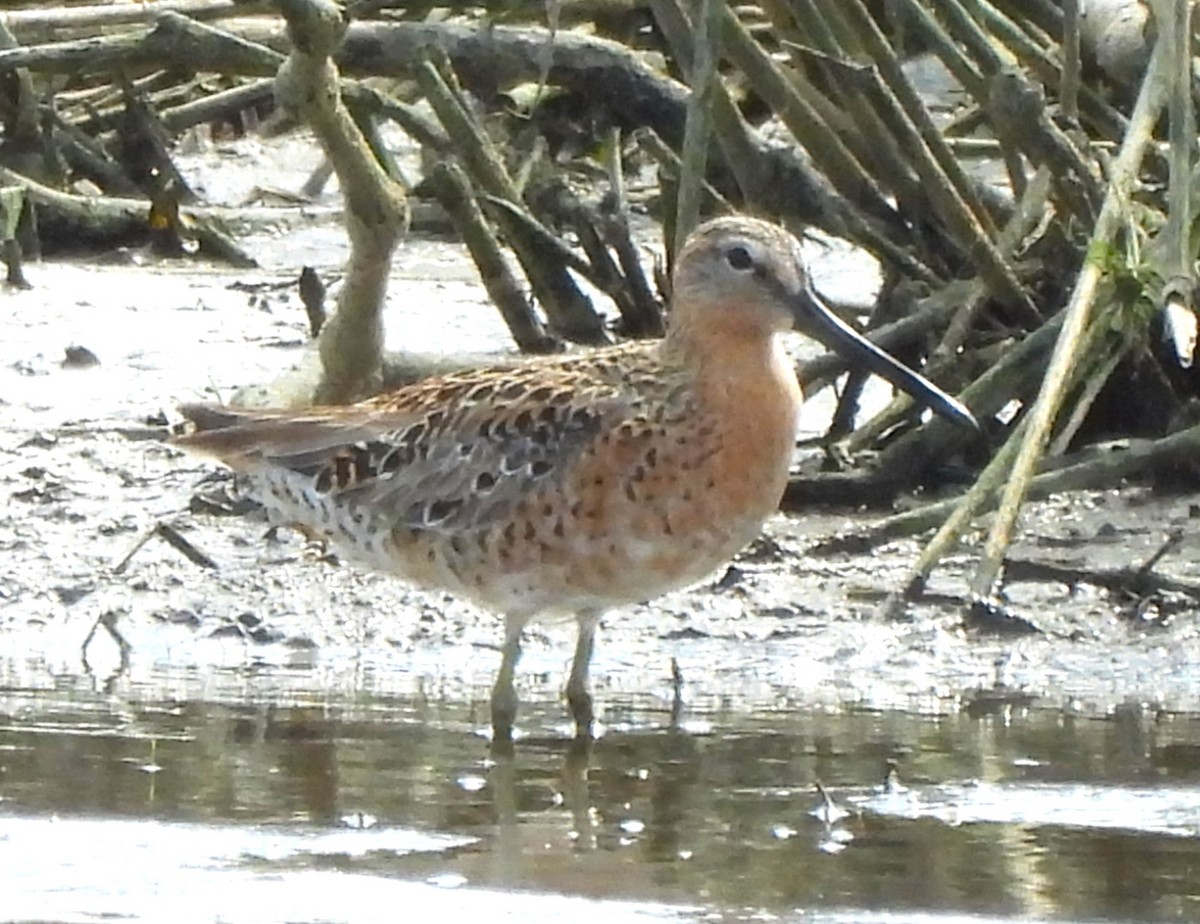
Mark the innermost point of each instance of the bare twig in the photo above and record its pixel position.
(1068, 92)
(1077, 314)
(376, 215)
(706, 30)
(173, 538)
(1093, 470)
(569, 310)
(454, 191)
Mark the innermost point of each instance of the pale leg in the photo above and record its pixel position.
(579, 698)
(504, 693)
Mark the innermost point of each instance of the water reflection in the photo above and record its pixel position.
(271, 806)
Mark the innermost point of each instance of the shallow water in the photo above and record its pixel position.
(245, 796)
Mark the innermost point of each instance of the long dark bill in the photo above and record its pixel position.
(815, 318)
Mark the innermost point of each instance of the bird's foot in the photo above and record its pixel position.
(580, 703)
(504, 712)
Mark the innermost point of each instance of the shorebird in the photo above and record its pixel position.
(570, 484)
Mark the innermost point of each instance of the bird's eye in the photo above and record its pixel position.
(739, 258)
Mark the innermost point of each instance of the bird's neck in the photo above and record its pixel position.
(739, 374)
(744, 390)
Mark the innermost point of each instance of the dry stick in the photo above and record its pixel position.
(569, 310)
(1094, 381)
(594, 228)
(416, 124)
(539, 236)
(954, 515)
(174, 38)
(1136, 582)
(1151, 100)
(315, 184)
(454, 191)
(884, 58)
(1037, 32)
(25, 130)
(10, 256)
(785, 185)
(1038, 59)
(950, 52)
(733, 134)
(694, 156)
(822, 23)
(21, 125)
(224, 103)
(832, 100)
(646, 316)
(1170, 544)
(97, 97)
(741, 152)
(97, 113)
(1068, 91)
(1006, 27)
(376, 214)
(586, 221)
(1017, 109)
(1178, 268)
(82, 17)
(172, 537)
(1031, 206)
(1097, 470)
(365, 100)
(364, 118)
(804, 19)
(835, 160)
(597, 69)
(140, 124)
(114, 215)
(950, 190)
(993, 268)
(657, 149)
(368, 99)
(594, 67)
(119, 218)
(12, 207)
(1025, 217)
(1045, 14)
(882, 141)
(810, 42)
(990, 61)
(858, 124)
(981, 495)
(973, 37)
